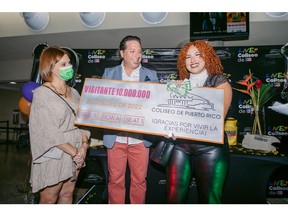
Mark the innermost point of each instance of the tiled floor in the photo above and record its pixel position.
(14, 176)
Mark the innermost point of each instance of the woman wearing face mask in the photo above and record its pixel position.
(58, 146)
(207, 162)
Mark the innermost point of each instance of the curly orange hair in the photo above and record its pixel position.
(212, 61)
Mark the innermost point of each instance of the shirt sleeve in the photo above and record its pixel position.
(48, 125)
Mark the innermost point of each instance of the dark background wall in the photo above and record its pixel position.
(265, 62)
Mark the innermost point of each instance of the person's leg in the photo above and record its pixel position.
(138, 159)
(61, 193)
(50, 194)
(211, 169)
(67, 190)
(117, 162)
(178, 176)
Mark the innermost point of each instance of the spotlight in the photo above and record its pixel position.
(92, 19)
(154, 17)
(36, 21)
(276, 14)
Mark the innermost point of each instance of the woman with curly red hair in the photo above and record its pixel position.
(208, 162)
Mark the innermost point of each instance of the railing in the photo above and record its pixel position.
(7, 129)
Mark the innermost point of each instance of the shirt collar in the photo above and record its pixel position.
(134, 75)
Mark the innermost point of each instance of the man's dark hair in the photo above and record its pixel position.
(126, 39)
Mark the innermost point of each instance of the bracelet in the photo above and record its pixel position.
(85, 142)
(75, 154)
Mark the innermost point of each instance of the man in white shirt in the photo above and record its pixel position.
(124, 147)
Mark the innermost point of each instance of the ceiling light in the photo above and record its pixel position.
(92, 19)
(277, 14)
(153, 17)
(36, 21)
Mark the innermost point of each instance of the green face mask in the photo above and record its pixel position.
(66, 73)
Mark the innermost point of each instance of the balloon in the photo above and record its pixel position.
(24, 106)
(28, 90)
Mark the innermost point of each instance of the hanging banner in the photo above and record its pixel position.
(153, 108)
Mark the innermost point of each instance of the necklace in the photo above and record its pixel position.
(65, 93)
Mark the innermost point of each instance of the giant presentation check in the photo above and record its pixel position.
(153, 108)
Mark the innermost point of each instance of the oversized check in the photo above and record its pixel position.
(153, 108)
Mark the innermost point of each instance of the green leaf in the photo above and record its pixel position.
(267, 92)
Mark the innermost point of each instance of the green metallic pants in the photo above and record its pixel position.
(208, 164)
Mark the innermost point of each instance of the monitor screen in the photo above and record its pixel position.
(219, 25)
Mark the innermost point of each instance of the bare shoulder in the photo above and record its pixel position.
(225, 85)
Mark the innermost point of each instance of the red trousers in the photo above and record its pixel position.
(137, 156)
